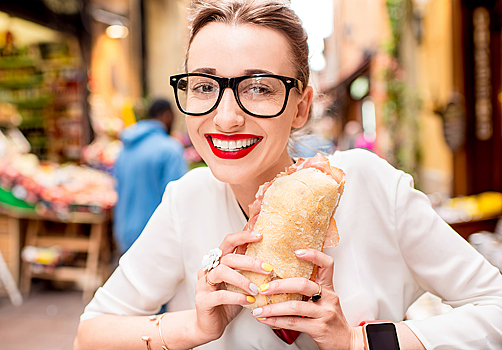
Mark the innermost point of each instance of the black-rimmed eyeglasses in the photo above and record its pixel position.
(259, 95)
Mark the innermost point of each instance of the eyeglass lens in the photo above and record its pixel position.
(262, 96)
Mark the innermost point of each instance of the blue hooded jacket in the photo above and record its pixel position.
(149, 160)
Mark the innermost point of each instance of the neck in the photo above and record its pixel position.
(245, 195)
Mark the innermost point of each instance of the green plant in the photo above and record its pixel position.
(401, 109)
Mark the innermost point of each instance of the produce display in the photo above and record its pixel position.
(42, 130)
(52, 188)
(480, 206)
(102, 153)
(44, 82)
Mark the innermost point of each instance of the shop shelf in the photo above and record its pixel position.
(19, 83)
(11, 62)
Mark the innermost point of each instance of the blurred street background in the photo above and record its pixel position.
(419, 82)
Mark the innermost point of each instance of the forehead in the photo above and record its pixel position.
(230, 50)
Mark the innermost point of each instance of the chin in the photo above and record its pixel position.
(231, 174)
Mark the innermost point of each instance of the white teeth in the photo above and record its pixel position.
(231, 146)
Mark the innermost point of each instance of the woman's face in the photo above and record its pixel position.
(231, 51)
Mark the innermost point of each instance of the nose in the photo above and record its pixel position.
(228, 115)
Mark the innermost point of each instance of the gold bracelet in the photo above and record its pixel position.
(164, 346)
(159, 324)
(147, 339)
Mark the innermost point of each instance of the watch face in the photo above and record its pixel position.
(382, 336)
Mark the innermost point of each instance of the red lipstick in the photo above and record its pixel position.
(224, 152)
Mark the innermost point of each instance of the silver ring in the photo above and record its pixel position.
(317, 296)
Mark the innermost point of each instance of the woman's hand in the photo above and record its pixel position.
(216, 306)
(323, 320)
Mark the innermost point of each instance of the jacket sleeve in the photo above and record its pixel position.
(148, 273)
(446, 265)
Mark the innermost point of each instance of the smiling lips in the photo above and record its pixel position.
(232, 146)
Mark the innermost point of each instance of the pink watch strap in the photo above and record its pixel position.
(374, 321)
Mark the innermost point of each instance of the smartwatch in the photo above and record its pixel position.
(381, 336)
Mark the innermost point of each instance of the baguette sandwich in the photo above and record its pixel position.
(293, 211)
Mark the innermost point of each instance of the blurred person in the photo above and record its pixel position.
(363, 141)
(149, 160)
(310, 144)
(352, 131)
(246, 87)
(353, 137)
(313, 139)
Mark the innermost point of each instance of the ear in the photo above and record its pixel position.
(303, 107)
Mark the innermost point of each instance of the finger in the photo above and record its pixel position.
(290, 285)
(246, 263)
(241, 249)
(324, 262)
(223, 297)
(233, 240)
(289, 308)
(242, 262)
(293, 323)
(223, 273)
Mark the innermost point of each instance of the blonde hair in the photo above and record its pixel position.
(274, 15)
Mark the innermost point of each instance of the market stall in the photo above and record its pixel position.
(62, 213)
(478, 219)
(55, 211)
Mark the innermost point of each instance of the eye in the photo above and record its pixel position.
(259, 90)
(205, 88)
(202, 86)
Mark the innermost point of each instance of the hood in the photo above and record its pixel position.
(140, 130)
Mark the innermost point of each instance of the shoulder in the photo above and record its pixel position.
(195, 196)
(357, 158)
(196, 183)
(368, 177)
(162, 146)
(167, 141)
(364, 164)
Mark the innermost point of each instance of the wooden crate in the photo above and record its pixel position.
(10, 245)
(81, 233)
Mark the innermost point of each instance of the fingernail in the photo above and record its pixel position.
(263, 287)
(267, 267)
(300, 251)
(257, 311)
(250, 299)
(261, 318)
(253, 287)
(255, 234)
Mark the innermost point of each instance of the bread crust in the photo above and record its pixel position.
(295, 214)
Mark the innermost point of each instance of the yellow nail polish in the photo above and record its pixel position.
(261, 318)
(263, 287)
(250, 299)
(267, 267)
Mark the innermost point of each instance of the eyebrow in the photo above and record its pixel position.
(205, 70)
(257, 71)
(212, 71)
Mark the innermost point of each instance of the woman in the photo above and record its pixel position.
(392, 247)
